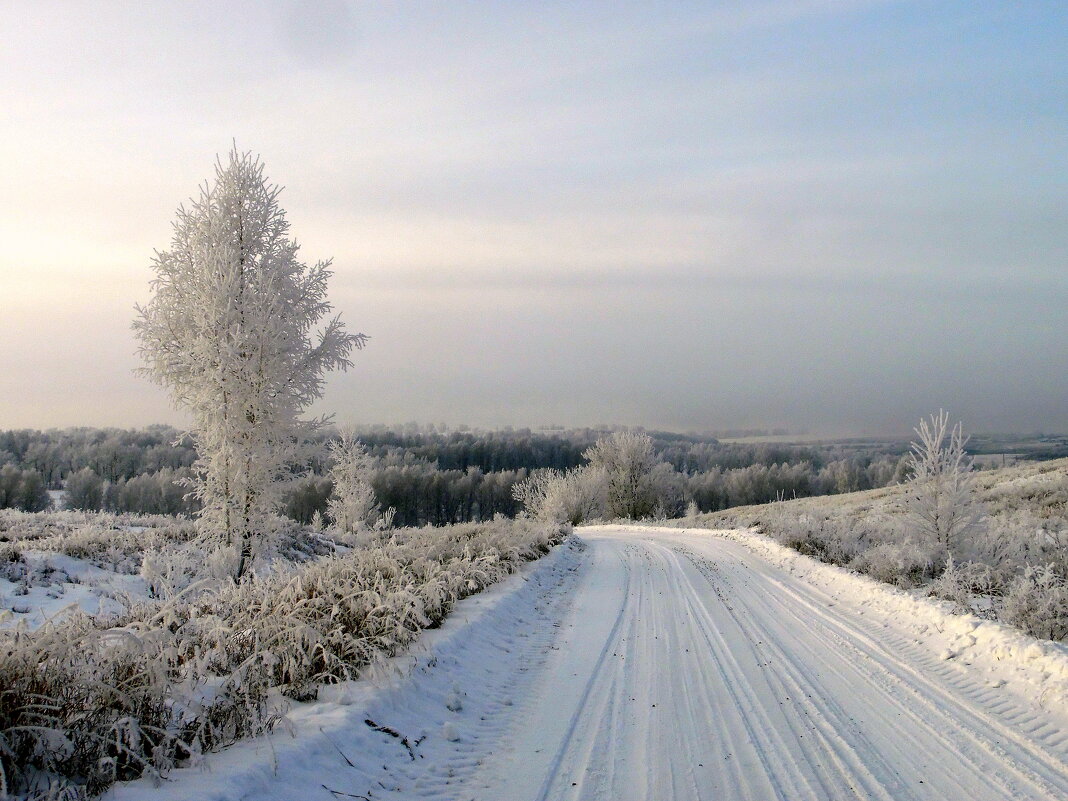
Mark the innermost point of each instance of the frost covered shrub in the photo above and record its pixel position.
(873, 544)
(670, 488)
(905, 563)
(573, 496)
(964, 584)
(39, 526)
(804, 534)
(870, 544)
(1037, 602)
(307, 497)
(1041, 489)
(940, 498)
(85, 491)
(12, 563)
(22, 489)
(119, 549)
(9, 552)
(87, 542)
(1012, 541)
(88, 702)
(992, 571)
(839, 540)
(164, 492)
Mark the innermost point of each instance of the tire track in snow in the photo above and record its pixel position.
(928, 704)
(929, 707)
(786, 681)
(588, 694)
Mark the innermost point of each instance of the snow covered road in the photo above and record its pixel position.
(664, 664)
(689, 668)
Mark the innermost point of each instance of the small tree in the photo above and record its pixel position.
(940, 495)
(10, 479)
(33, 492)
(353, 505)
(230, 331)
(627, 459)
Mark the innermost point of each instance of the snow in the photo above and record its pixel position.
(56, 583)
(650, 663)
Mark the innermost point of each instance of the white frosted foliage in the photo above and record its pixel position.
(352, 504)
(232, 332)
(627, 459)
(941, 499)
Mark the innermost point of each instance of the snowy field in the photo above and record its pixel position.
(52, 563)
(646, 663)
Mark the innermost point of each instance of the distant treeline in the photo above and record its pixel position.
(429, 475)
(111, 453)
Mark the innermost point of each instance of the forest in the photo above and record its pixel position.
(430, 474)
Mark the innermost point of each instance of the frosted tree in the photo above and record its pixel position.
(940, 495)
(535, 491)
(627, 459)
(85, 491)
(352, 505)
(23, 489)
(233, 331)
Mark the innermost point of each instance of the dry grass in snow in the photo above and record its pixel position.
(86, 701)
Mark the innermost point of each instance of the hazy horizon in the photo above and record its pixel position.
(823, 217)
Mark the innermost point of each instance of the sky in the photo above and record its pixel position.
(833, 217)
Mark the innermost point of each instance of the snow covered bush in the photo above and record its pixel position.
(874, 544)
(165, 492)
(1012, 568)
(101, 541)
(1037, 602)
(12, 563)
(905, 563)
(805, 534)
(80, 700)
(85, 491)
(22, 489)
(624, 479)
(535, 491)
(555, 496)
(230, 332)
(972, 587)
(670, 488)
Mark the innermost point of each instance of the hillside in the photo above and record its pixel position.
(1011, 566)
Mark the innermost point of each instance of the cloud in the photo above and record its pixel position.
(776, 213)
